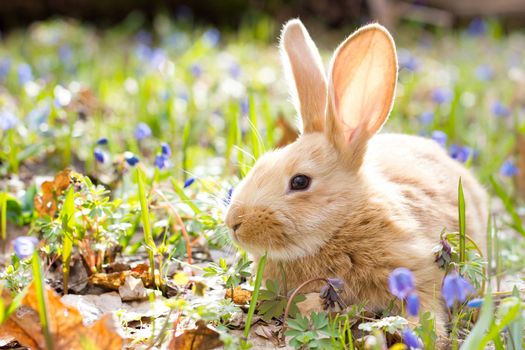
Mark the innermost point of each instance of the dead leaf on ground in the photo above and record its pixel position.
(65, 324)
(46, 204)
(288, 133)
(240, 296)
(11, 333)
(112, 281)
(202, 337)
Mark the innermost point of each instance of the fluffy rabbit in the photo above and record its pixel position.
(341, 202)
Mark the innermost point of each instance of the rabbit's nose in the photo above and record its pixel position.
(236, 226)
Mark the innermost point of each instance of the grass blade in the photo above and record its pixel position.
(461, 212)
(38, 280)
(517, 224)
(3, 215)
(146, 224)
(255, 295)
(184, 198)
(67, 215)
(475, 339)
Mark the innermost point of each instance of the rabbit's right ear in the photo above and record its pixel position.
(305, 74)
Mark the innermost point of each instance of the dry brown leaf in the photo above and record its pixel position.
(10, 333)
(288, 133)
(201, 337)
(46, 204)
(65, 325)
(240, 296)
(110, 281)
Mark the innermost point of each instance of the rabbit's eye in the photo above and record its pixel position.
(299, 182)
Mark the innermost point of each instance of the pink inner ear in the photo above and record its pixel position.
(363, 76)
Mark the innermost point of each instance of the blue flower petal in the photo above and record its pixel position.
(401, 282)
(413, 304)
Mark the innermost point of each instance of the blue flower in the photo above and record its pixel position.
(477, 27)
(460, 153)
(456, 289)
(165, 149)
(245, 106)
(7, 120)
(142, 131)
(130, 158)
(411, 340)
(475, 303)
(337, 283)
(211, 37)
(484, 72)
(24, 246)
(99, 155)
(413, 304)
(196, 70)
(426, 117)
(189, 182)
(401, 282)
(508, 168)
(5, 66)
(235, 70)
(228, 197)
(65, 53)
(440, 137)
(25, 73)
(500, 110)
(38, 116)
(161, 161)
(407, 61)
(102, 141)
(441, 96)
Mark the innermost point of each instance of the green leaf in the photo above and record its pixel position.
(67, 214)
(517, 224)
(255, 294)
(516, 332)
(475, 339)
(146, 224)
(462, 231)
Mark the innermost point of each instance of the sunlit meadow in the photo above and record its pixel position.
(155, 128)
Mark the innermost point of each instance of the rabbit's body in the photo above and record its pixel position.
(394, 219)
(340, 202)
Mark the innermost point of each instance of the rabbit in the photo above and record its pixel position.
(343, 201)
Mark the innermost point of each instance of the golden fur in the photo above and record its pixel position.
(374, 203)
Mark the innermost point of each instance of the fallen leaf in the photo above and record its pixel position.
(11, 333)
(47, 202)
(110, 281)
(202, 337)
(181, 278)
(240, 296)
(133, 290)
(288, 133)
(65, 325)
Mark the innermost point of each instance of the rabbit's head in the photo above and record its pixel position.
(296, 197)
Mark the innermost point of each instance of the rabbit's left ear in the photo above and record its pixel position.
(362, 83)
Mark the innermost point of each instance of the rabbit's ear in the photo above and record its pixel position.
(362, 83)
(305, 73)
